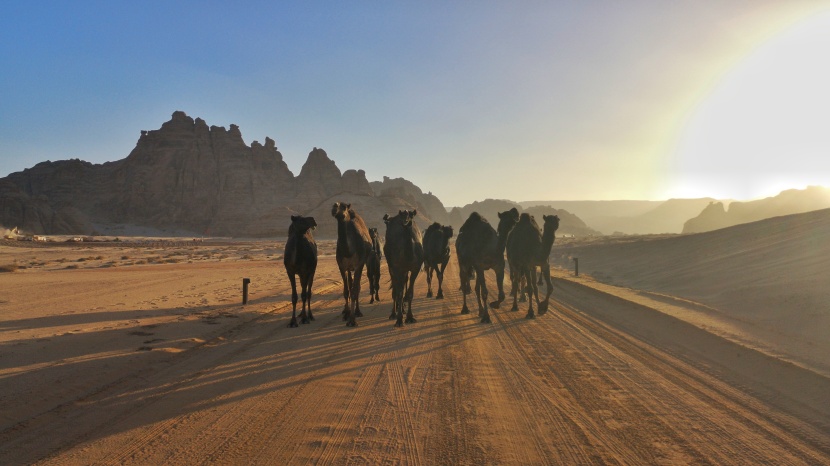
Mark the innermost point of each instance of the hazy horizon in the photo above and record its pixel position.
(583, 101)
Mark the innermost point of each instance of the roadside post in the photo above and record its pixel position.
(245, 282)
(576, 266)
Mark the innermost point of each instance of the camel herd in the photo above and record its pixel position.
(479, 247)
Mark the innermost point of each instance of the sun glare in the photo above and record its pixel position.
(764, 128)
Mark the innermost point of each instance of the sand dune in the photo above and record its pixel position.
(768, 278)
(144, 354)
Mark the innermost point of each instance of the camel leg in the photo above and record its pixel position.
(440, 273)
(398, 283)
(514, 288)
(500, 284)
(356, 291)
(530, 275)
(545, 273)
(481, 289)
(428, 270)
(308, 294)
(304, 291)
(346, 276)
(348, 314)
(465, 288)
(410, 291)
(394, 279)
(293, 280)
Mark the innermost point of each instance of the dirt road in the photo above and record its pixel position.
(570, 387)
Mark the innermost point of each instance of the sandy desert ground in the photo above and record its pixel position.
(144, 354)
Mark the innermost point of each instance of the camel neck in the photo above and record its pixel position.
(547, 242)
(342, 240)
(502, 243)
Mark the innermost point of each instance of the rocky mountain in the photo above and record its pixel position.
(794, 201)
(632, 217)
(192, 177)
(569, 224)
(404, 189)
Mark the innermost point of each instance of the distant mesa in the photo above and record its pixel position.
(794, 201)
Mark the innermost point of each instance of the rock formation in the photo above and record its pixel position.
(408, 191)
(793, 201)
(489, 208)
(185, 176)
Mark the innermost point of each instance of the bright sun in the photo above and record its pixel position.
(766, 125)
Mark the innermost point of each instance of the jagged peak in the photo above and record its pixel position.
(318, 161)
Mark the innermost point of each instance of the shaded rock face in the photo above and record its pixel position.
(793, 201)
(412, 194)
(186, 176)
(490, 208)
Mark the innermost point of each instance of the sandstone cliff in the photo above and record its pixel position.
(184, 176)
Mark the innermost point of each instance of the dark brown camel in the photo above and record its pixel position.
(354, 245)
(507, 221)
(527, 248)
(436, 255)
(524, 246)
(404, 256)
(548, 236)
(373, 266)
(300, 258)
(477, 248)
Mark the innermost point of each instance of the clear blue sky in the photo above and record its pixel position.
(468, 99)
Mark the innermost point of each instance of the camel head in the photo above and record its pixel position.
(551, 222)
(341, 210)
(404, 217)
(507, 220)
(447, 231)
(302, 224)
(526, 218)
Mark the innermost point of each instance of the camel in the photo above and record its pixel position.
(523, 248)
(436, 255)
(478, 250)
(373, 266)
(551, 223)
(527, 248)
(507, 221)
(354, 245)
(404, 256)
(300, 258)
